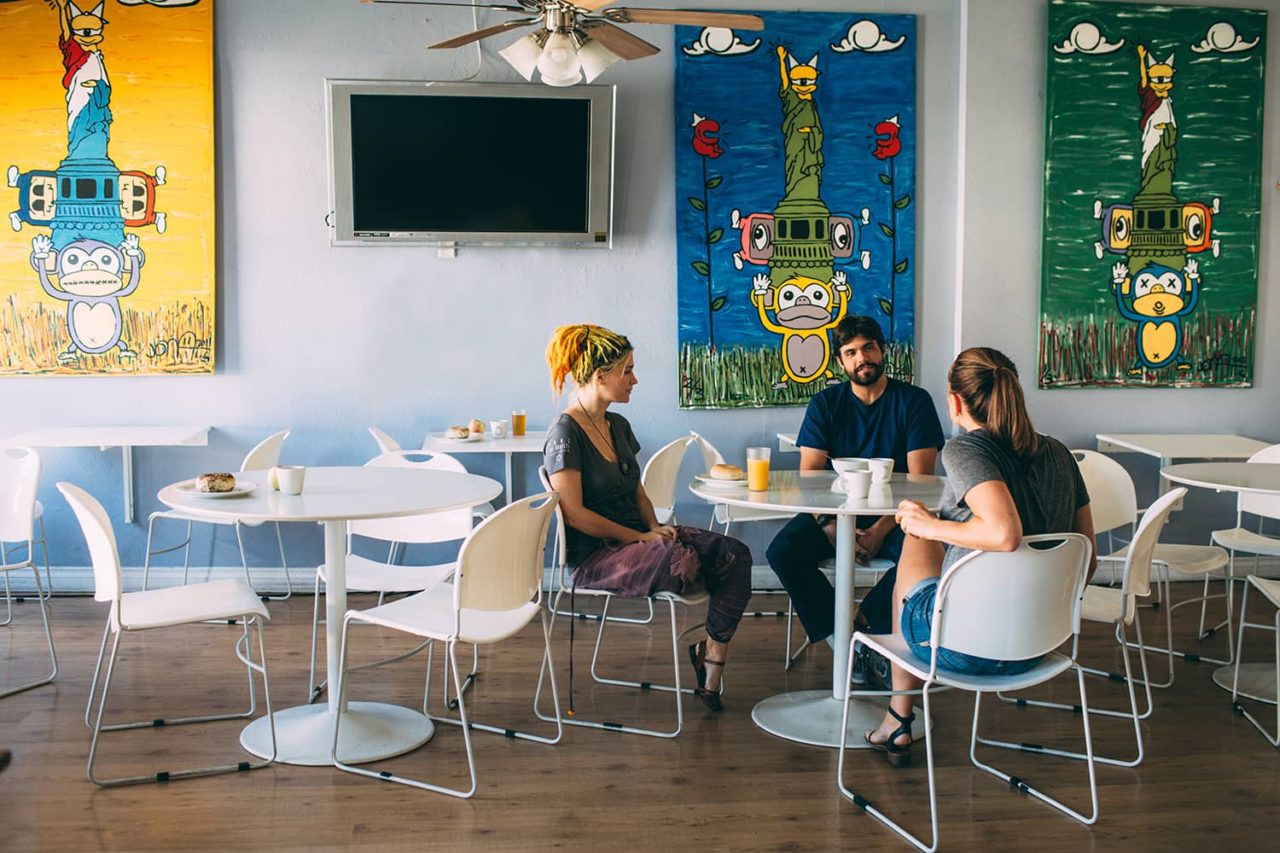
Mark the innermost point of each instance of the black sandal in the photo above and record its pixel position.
(898, 755)
(698, 657)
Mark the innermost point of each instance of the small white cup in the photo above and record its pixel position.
(881, 468)
(499, 428)
(856, 484)
(290, 478)
(845, 464)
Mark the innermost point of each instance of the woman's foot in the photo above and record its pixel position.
(708, 689)
(893, 738)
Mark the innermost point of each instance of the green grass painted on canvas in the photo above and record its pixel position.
(1093, 152)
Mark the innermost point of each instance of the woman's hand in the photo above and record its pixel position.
(915, 519)
(666, 531)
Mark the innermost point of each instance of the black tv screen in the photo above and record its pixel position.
(488, 164)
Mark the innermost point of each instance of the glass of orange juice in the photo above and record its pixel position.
(757, 469)
(519, 421)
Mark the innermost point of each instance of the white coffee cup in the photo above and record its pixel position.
(856, 484)
(499, 428)
(290, 478)
(881, 468)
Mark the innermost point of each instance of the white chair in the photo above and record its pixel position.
(386, 444)
(1270, 589)
(131, 612)
(19, 481)
(671, 599)
(1114, 505)
(365, 574)
(1118, 607)
(264, 456)
(1240, 538)
(496, 592)
(37, 538)
(1037, 594)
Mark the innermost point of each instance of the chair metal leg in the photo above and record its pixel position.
(1205, 634)
(1022, 784)
(8, 601)
(245, 654)
(41, 600)
(467, 682)
(1273, 739)
(44, 547)
(185, 544)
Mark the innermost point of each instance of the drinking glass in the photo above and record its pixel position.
(518, 422)
(757, 469)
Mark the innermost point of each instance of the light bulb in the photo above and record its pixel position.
(558, 63)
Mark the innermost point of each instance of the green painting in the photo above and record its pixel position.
(1153, 180)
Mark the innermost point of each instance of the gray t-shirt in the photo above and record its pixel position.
(1047, 488)
(608, 488)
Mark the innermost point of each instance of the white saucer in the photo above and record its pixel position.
(242, 488)
(475, 436)
(721, 485)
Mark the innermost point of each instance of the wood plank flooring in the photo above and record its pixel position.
(1209, 780)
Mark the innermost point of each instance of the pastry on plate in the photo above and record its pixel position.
(723, 471)
(218, 482)
(457, 432)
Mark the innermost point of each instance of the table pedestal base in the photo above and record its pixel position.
(1257, 680)
(371, 731)
(813, 717)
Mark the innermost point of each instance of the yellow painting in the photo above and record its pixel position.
(107, 160)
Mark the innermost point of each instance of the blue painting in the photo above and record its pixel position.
(795, 201)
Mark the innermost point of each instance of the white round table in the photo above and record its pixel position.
(813, 716)
(370, 730)
(1257, 680)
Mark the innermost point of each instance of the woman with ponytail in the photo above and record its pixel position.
(615, 542)
(1004, 481)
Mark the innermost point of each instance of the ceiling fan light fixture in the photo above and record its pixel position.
(595, 58)
(523, 53)
(559, 63)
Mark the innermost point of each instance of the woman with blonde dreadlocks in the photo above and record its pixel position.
(615, 542)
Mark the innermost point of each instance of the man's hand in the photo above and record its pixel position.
(915, 519)
(867, 544)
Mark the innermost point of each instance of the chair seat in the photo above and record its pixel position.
(429, 615)
(1240, 539)
(880, 565)
(1270, 588)
(197, 602)
(365, 575)
(690, 599)
(1106, 604)
(189, 515)
(725, 513)
(1185, 559)
(894, 647)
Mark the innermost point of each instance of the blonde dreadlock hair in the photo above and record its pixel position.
(582, 349)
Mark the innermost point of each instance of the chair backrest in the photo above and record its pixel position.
(429, 527)
(1137, 564)
(660, 473)
(1112, 499)
(19, 482)
(710, 456)
(559, 554)
(500, 564)
(266, 454)
(386, 444)
(1267, 506)
(1013, 605)
(101, 540)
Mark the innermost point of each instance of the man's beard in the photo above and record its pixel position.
(867, 374)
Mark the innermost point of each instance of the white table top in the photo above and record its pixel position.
(531, 442)
(810, 491)
(332, 494)
(112, 436)
(1259, 477)
(1182, 445)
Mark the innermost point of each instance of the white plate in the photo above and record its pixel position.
(722, 485)
(242, 488)
(475, 436)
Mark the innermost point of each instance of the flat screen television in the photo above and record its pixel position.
(470, 164)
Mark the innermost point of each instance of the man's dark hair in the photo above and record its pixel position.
(855, 326)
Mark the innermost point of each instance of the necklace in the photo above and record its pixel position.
(622, 463)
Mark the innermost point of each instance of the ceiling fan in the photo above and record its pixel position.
(578, 39)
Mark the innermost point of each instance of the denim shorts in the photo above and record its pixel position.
(917, 622)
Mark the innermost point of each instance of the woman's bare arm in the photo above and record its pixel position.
(568, 485)
(994, 526)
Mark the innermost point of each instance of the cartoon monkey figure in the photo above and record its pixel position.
(1157, 299)
(802, 315)
(91, 279)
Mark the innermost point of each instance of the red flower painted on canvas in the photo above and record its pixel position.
(705, 143)
(888, 144)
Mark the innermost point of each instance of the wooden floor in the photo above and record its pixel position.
(1209, 780)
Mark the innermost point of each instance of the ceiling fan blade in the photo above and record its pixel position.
(498, 7)
(731, 20)
(591, 5)
(468, 38)
(619, 40)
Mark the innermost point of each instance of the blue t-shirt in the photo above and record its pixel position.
(901, 420)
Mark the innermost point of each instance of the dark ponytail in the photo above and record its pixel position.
(987, 381)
